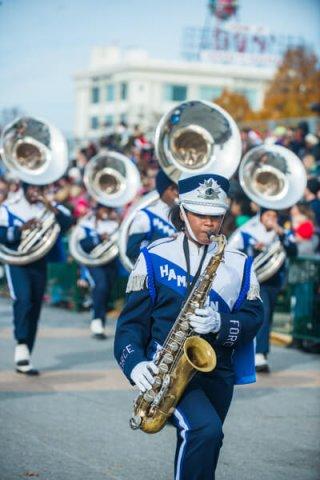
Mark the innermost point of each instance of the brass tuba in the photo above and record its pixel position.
(36, 153)
(193, 137)
(273, 177)
(113, 180)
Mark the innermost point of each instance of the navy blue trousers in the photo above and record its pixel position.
(269, 298)
(198, 418)
(103, 278)
(27, 286)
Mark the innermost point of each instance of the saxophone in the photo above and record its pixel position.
(183, 354)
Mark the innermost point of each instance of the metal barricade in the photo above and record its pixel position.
(304, 284)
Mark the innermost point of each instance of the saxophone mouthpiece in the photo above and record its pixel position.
(211, 236)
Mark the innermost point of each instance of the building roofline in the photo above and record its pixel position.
(183, 67)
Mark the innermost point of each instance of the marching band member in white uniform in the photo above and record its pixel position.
(27, 283)
(255, 235)
(95, 229)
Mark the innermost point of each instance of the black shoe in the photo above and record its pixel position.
(31, 372)
(100, 336)
(263, 369)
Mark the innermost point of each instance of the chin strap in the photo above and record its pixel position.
(186, 221)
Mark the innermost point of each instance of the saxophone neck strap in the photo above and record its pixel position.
(186, 250)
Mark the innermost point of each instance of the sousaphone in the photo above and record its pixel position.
(113, 180)
(35, 152)
(194, 137)
(273, 177)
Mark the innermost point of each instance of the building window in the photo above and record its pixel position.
(250, 94)
(175, 93)
(94, 123)
(209, 93)
(95, 95)
(110, 93)
(123, 91)
(123, 117)
(109, 119)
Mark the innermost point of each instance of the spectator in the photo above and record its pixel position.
(313, 146)
(302, 220)
(310, 196)
(311, 166)
(241, 209)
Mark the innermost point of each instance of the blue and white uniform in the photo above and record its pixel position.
(100, 277)
(149, 225)
(156, 290)
(27, 283)
(245, 239)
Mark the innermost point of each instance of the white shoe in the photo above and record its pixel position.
(22, 360)
(97, 328)
(22, 354)
(261, 363)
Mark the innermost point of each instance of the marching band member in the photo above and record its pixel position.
(162, 277)
(252, 238)
(27, 283)
(153, 223)
(95, 229)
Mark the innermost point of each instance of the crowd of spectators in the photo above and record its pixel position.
(303, 219)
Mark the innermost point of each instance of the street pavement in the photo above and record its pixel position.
(71, 423)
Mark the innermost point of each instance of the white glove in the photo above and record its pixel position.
(142, 375)
(205, 320)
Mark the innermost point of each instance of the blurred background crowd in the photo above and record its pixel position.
(302, 219)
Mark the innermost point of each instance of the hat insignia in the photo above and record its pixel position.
(209, 189)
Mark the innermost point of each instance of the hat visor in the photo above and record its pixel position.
(213, 211)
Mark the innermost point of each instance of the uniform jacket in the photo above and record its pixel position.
(157, 288)
(149, 225)
(92, 229)
(14, 213)
(252, 232)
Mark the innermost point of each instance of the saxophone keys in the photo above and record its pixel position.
(180, 336)
(157, 382)
(163, 367)
(149, 396)
(168, 358)
(184, 326)
(173, 346)
(135, 422)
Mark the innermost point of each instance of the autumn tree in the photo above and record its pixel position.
(295, 86)
(236, 105)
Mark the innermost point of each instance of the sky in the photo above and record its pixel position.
(43, 43)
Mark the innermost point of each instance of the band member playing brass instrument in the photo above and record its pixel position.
(274, 178)
(112, 180)
(97, 229)
(152, 223)
(183, 288)
(35, 152)
(22, 225)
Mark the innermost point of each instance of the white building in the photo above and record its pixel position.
(129, 86)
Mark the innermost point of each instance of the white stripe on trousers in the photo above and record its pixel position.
(184, 426)
(10, 284)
